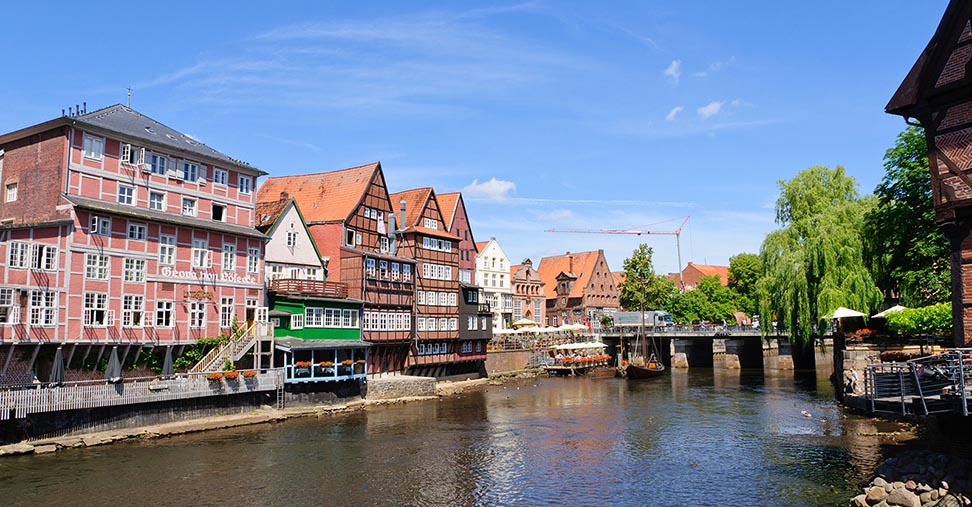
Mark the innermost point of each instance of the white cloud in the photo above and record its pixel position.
(673, 113)
(492, 190)
(715, 67)
(556, 215)
(674, 70)
(711, 109)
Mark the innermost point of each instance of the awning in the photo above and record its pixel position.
(577, 346)
(895, 308)
(279, 313)
(289, 343)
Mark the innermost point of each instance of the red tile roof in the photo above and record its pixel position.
(583, 265)
(693, 273)
(448, 203)
(619, 277)
(323, 197)
(415, 202)
(431, 232)
(480, 246)
(268, 212)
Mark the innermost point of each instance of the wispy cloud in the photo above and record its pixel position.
(715, 67)
(492, 190)
(598, 202)
(711, 109)
(301, 144)
(674, 70)
(673, 113)
(556, 215)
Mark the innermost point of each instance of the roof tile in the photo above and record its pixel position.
(323, 197)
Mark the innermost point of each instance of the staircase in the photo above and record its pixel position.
(233, 349)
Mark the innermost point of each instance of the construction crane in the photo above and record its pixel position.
(638, 232)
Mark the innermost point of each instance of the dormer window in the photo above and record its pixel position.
(431, 223)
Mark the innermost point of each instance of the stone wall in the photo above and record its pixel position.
(507, 360)
(400, 386)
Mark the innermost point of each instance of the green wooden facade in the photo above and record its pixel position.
(316, 319)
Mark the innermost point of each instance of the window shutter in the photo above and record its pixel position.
(202, 174)
(126, 153)
(262, 313)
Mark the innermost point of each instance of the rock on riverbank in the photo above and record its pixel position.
(919, 479)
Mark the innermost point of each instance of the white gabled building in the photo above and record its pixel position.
(493, 276)
(290, 252)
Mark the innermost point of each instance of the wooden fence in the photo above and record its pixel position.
(19, 402)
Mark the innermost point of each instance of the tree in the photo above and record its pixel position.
(709, 300)
(814, 263)
(744, 272)
(905, 248)
(642, 285)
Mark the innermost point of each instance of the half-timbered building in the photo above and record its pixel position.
(457, 220)
(580, 288)
(350, 219)
(937, 95)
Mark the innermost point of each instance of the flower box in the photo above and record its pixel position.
(231, 375)
(215, 376)
(249, 374)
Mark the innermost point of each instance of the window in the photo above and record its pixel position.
(349, 237)
(420, 297)
(43, 308)
(157, 201)
(190, 171)
(219, 176)
(126, 195)
(229, 256)
(536, 309)
(135, 270)
(370, 267)
(383, 244)
(95, 309)
(291, 239)
(200, 253)
(431, 223)
(132, 155)
(9, 312)
(226, 312)
(96, 267)
(163, 314)
(219, 212)
(100, 226)
(246, 184)
(18, 254)
(158, 164)
(253, 260)
(406, 272)
(314, 317)
(396, 271)
(167, 247)
(297, 321)
(453, 323)
(11, 192)
(197, 314)
(383, 270)
(517, 312)
(420, 324)
(93, 147)
(137, 231)
(349, 318)
(188, 206)
(132, 311)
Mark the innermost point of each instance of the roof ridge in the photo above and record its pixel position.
(321, 173)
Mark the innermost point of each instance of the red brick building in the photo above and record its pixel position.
(937, 94)
(693, 273)
(457, 223)
(580, 288)
(529, 297)
(116, 229)
(350, 218)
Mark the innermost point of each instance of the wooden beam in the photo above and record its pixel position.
(6, 363)
(954, 169)
(101, 352)
(34, 357)
(87, 351)
(124, 356)
(70, 356)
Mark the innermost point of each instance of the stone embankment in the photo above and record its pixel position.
(381, 391)
(919, 479)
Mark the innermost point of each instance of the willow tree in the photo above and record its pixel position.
(814, 263)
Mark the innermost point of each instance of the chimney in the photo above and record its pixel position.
(403, 212)
(284, 196)
(570, 267)
(392, 236)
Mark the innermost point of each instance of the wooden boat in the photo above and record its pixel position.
(603, 372)
(642, 366)
(653, 369)
(577, 358)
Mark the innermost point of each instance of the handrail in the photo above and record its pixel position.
(216, 354)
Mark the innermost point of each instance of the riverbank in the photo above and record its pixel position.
(264, 415)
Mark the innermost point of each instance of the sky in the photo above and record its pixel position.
(567, 114)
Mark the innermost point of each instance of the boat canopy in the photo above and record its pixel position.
(577, 346)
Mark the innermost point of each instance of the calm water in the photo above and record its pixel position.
(704, 437)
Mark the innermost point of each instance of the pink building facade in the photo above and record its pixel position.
(115, 229)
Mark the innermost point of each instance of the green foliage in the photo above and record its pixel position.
(744, 272)
(192, 354)
(934, 319)
(228, 365)
(814, 263)
(709, 300)
(642, 286)
(906, 251)
(607, 321)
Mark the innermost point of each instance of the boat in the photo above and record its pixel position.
(602, 372)
(577, 358)
(643, 366)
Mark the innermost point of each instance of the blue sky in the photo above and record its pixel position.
(545, 114)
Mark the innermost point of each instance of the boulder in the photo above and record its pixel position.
(45, 449)
(904, 498)
(875, 494)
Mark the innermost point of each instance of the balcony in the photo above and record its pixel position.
(309, 287)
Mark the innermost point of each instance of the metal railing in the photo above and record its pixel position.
(240, 342)
(20, 402)
(922, 386)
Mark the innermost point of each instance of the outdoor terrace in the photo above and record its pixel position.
(309, 287)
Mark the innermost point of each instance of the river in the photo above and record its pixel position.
(697, 437)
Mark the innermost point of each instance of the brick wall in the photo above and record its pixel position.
(36, 165)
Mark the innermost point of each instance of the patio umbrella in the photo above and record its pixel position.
(844, 313)
(113, 372)
(167, 369)
(57, 370)
(895, 308)
(524, 323)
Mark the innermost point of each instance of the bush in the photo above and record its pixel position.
(935, 319)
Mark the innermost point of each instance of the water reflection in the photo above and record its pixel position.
(704, 437)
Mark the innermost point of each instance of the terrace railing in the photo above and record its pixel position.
(309, 287)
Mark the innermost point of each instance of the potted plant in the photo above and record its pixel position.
(345, 367)
(249, 374)
(302, 368)
(231, 375)
(214, 376)
(359, 366)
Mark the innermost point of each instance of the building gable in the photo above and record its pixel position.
(291, 241)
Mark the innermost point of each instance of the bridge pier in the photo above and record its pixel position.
(785, 354)
(744, 353)
(689, 352)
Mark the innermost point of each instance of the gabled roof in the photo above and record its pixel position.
(583, 265)
(323, 197)
(415, 199)
(448, 205)
(267, 213)
(923, 78)
(129, 123)
(705, 270)
(480, 246)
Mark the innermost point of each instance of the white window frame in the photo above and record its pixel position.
(137, 231)
(245, 184)
(95, 309)
(133, 314)
(126, 195)
(12, 192)
(101, 226)
(93, 147)
(291, 239)
(197, 315)
(220, 176)
(370, 268)
(18, 255)
(314, 316)
(252, 260)
(164, 313)
(167, 249)
(134, 270)
(200, 253)
(97, 267)
(226, 312)
(43, 308)
(189, 208)
(297, 321)
(161, 201)
(229, 257)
